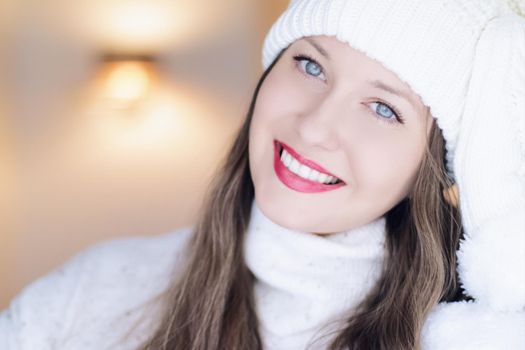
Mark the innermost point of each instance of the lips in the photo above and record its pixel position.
(294, 181)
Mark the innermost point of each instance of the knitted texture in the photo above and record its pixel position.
(305, 284)
(490, 168)
(466, 60)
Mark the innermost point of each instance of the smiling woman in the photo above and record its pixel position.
(327, 226)
(318, 103)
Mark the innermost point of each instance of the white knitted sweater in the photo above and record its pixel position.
(107, 296)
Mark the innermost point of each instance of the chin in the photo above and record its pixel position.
(285, 217)
(277, 214)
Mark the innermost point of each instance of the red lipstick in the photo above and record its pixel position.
(294, 181)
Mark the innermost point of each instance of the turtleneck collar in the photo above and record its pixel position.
(305, 281)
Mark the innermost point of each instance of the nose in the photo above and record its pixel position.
(317, 125)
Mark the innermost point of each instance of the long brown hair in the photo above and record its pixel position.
(211, 306)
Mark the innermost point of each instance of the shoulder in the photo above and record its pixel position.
(138, 265)
(470, 325)
(85, 298)
(134, 257)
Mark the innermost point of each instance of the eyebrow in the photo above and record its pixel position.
(380, 85)
(318, 47)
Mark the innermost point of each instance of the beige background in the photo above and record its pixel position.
(73, 169)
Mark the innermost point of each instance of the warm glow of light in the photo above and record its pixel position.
(135, 25)
(162, 118)
(130, 26)
(127, 82)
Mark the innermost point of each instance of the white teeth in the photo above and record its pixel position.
(305, 171)
(294, 166)
(287, 159)
(314, 175)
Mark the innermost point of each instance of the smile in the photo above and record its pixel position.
(301, 174)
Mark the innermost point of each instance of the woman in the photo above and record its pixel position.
(333, 223)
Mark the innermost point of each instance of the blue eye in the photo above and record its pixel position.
(310, 67)
(313, 69)
(386, 113)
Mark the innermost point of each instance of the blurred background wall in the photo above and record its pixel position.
(114, 115)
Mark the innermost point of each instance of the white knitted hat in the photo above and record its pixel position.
(466, 60)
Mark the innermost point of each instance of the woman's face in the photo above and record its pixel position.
(339, 116)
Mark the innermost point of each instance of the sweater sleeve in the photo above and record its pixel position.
(96, 297)
(39, 314)
(471, 326)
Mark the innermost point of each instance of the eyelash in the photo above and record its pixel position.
(398, 116)
(300, 58)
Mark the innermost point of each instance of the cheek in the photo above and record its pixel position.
(259, 134)
(274, 112)
(277, 97)
(266, 113)
(388, 166)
